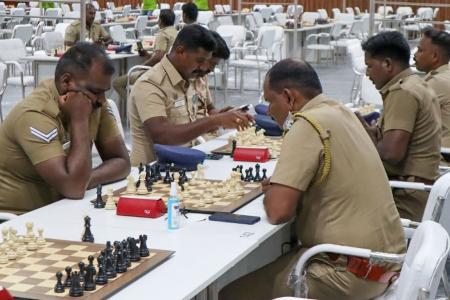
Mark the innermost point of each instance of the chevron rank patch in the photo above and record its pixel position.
(46, 137)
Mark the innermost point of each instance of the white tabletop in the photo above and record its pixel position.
(204, 250)
(47, 58)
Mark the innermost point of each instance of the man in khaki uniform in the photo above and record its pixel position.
(94, 31)
(408, 137)
(162, 102)
(46, 140)
(164, 40)
(432, 57)
(318, 179)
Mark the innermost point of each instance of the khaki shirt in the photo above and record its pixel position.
(353, 206)
(159, 92)
(165, 38)
(201, 87)
(411, 106)
(33, 133)
(439, 81)
(94, 33)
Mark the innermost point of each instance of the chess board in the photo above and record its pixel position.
(33, 276)
(193, 203)
(273, 143)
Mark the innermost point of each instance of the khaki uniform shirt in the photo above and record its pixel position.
(353, 206)
(94, 33)
(201, 87)
(159, 92)
(165, 38)
(439, 81)
(33, 133)
(411, 106)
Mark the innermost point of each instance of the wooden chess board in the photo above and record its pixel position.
(272, 143)
(33, 276)
(193, 203)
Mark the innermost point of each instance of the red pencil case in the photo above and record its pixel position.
(137, 206)
(253, 154)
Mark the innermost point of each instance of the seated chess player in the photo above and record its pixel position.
(161, 105)
(318, 181)
(163, 41)
(408, 136)
(432, 57)
(46, 140)
(94, 31)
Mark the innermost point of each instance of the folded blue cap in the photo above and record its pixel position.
(181, 157)
(372, 117)
(269, 125)
(124, 49)
(261, 109)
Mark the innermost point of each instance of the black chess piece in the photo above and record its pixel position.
(75, 289)
(110, 268)
(59, 287)
(87, 236)
(242, 173)
(68, 281)
(101, 277)
(99, 203)
(233, 147)
(141, 168)
(257, 174)
(143, 250)
(158, 172)
(184, 175)
(121, 265)
(134, 250)
(264, 176)
(81, 266)
(250, 174)
(91, 263)
(168, 177)
(247, 176)
(89, 282)
(125, 253)
(101, 258)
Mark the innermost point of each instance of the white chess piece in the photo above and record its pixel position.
(200, 172)
(3, 255)
(11, 250)
(142, 190)
(131, 187)
(41, 240)
(110, 204)
(30, 235)
(5, 234)
(21, 247)
(32, 244)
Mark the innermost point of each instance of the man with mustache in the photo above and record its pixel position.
(162, 102)
(408, 136)
(46, 140)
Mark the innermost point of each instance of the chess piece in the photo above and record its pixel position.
(3, 255)
(30, 234)
(81, 267)
(264, 176)
(142, 189)
(68, 281)
(5, 234)
(101, 277)
(59, 287)
(125, 253)
(109, 262)
(157, 172)
(168, 177)
(99, 203)
(247, 176)
(134, 250)
(12, 234)
(91, 263)
(110, 204)
(121, 265)
(31, 246)
(257, 174)
(75, 289)
(143, 250)
(21, 247)
(87, 235)
(250, 174)
(40, 240)
(89, 282)
(184, 175)
(140, 168)
(149, 183)
(233, 147)
(200, 172)
(131, 187)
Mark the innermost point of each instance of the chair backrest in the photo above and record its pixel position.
(276, 8)
(385, 10)
(424, 262)
(350, 10)
(369, 93)
(126, 10)
(34, 4)
(22, 5)
(435, 12)
(447, 25)
(156, 12)
(271, 38)
(52, 13)
(425, 13)
(225, 20)
(310, 17)
(76, 7)
(292, 10)
(205, 17)
(404, 11)
(112, 106)
(438, 204)
(39, 28)
(259, 20)
(118, 33)
(109, 14)
(53, 40)
(61, 28)
(23, 32)
(2, 6)
(345, 18)
(72, 14)
(141, 23)
(236, 32)
(34, 12)
(266, 13)
(336, 11)
(357, 11)
(250, 23)
(227, 8)
(110, 5)
(280, 18)
(219, 8)
(164, 6)
(12, 49)
(178, 15)
(178, 6)
(323, 13)
(258, 7)
(65, 8)
(96, 5)
(17, 13)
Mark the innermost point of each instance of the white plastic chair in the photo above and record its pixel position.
(323, 13)
(126, 10)
(258, 7)
(33, 4)
(52, 40)
(336, 11)
(236, 32)
(178, 6)
(277, 8)
(71, 14)
(61, 28)
(3, 77)
(17, 16)
(321, 42)
(346, 19)
(12, 54)
(96, 5)
(164, 6)
(359, 69)
(422, 266)
(293, 11)
(21, 5)
(404, 12)
(110, 5)
(309, 17)
(227, 8)
(139, 26)
(382, 10)
(65, 8)
(52, 14)
(118, 35)
(219, 9)
(350, 11)
(357, 11)
(205, 17)
(225, 20)
(23, 32)
(76, 7)
(258, 17)
(280, 19)
(266, 13)
(34, 12)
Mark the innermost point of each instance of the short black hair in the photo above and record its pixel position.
(221, 51)
(439, 38)
(292, 73)
(80, 58)
(167, 17)
(190, 10)
(391, 44)
(194, 36)
(90, 6)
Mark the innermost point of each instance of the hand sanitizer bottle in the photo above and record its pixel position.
(173, 208)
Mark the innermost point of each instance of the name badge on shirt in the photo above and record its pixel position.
(179, 103)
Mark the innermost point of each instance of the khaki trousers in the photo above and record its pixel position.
(120, 85)
(325, 280)
(410, 203)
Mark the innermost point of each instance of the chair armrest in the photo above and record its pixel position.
(138, 67)
(314, 36)
(445, 150)
(409, 185)
(15, 64)
(7, 216)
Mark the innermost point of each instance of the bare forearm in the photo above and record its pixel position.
(109, 171)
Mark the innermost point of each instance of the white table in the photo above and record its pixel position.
(207, 254)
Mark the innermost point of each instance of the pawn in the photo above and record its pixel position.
(264, 176)
(21, 247)
(168, 177)
(5, 233)
(142, 189)
(82, 269)
(68, 281)
(40, 240)
(3, 255)
(101, 277)
(110, 204)
(31, 246)
(131, 186)
(99, 203)
(59, 287)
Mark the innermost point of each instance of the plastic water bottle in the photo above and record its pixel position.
(173, 208)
